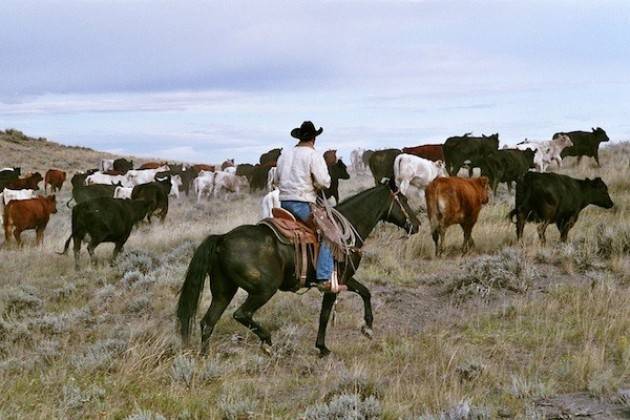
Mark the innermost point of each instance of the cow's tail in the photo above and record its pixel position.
(521, 197)
(66, 245)
(190, 293)
(433, 208)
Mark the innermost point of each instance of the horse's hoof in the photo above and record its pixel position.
(323, 352)
(267, 349)
(367, 331)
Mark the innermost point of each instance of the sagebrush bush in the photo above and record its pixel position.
(237, 407)
(463, 410)
(142, 261)
(99, 355)
(613, 240)
(487, 274)
(212, 371)
(20, 299)
(140, 414)
(183, 370)
(345, 406)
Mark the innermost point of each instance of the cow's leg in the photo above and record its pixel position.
(90, 248)
(77, 250)
(17, 234)
(404, 186)
(542, 228)
(222, 294)
(565, 226)
(436, 239)
(355, 286)
(246, 311)
(39, 235)
(327, 304)
(579, 160)
(468, 240)
(597, 158)
(520, 226)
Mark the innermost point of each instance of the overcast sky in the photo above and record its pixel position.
(203, 81)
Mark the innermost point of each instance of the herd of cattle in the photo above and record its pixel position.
(111, 199)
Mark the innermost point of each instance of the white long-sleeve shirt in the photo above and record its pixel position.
(300, 171)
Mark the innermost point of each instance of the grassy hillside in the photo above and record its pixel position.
(40, 154)
(507, 331)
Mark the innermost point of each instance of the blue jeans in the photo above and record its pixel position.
(325, 264)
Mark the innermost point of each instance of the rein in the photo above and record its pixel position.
(395, 199)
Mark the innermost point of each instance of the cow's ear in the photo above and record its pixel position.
(593, 129)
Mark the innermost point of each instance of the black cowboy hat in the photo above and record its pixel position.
(306, 131)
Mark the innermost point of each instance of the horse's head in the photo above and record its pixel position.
(399, 212)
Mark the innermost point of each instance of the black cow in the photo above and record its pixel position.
(155, 194)
(270, 157)
(84, 193)
(104, 219)
(246, 170)
(507, 165)
(381, 164)
(468, 150)
(123, 165)
(186, 174)
(336, 171)
(8, 175)
(584, 144)
(78, 179)
(550, 197)
(365, 157)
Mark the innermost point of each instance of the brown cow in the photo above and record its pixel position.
(55, 178)
(21, 215)
(201, 167)
(28, 182)
(153, 165)
(455, 201)
(427, 151)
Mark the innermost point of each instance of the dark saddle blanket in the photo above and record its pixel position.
(303, 237)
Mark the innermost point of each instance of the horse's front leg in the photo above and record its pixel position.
(327, 303)
(355, 286)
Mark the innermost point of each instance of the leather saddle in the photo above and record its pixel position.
(303, 237)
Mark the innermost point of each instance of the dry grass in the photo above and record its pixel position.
(490, 333)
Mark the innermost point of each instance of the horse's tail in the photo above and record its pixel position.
(190, 292)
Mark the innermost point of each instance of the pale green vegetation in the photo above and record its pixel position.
(484, 335)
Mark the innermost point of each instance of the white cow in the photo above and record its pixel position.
(203, 184)
(547, 151)
(107, 165)
(143, 176)
(269, 201)
(9, 195)
(271, 179)
(226, 183)
(101, 178)
(123, 193)
(176, 182)
(356, 160)
(416, 171)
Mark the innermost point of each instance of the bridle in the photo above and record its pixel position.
(396, 199)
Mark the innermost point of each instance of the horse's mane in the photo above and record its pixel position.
(358, 196)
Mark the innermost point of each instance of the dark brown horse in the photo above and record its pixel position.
(252, 258)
